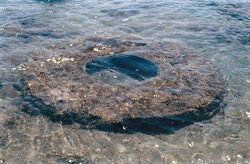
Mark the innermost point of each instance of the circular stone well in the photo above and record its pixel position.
(111, 80)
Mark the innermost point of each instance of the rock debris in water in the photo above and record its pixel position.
(110, 80)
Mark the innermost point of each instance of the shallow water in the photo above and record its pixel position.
(219, 30)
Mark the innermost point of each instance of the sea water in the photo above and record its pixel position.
(218, 29)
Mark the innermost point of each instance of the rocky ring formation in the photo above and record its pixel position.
(110, 80)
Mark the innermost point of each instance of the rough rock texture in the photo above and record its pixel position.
(58, 86)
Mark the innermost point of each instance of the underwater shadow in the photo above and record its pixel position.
(163, 125)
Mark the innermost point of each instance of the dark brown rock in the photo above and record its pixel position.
(186, 84)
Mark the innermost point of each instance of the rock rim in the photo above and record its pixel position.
(58, 86)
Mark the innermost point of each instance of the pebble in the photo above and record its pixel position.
(2, 160)
(248, 114)
(96, 49)
(125, 20)
(191, 144)
(239, 156)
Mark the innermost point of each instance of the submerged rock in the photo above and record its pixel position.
(97, 80)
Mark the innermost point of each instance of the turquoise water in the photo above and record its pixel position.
(219, 30)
